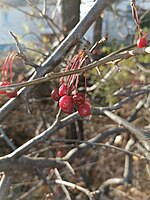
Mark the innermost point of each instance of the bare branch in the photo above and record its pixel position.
(21, 52)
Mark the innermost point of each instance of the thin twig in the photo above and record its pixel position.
(21, 52)
(74, 186)
(43, 17)
(26, 194)
(62, 186)
(92, 144)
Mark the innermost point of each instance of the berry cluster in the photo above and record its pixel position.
(8, 66)
(142, 41)
(67, 95)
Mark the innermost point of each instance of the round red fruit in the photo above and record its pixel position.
(78, 98)
(5, 83)
(63, 89)
(55, 94)
(142, 42)
(84, 109)
(66, 104)
(59, 154)
(12, 94)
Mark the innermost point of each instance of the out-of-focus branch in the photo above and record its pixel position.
(4, 186)
(29, 192)
(127, 176)
(43, 17)
(128, 162)
(6, 138)
(19, 9)
(44, 7)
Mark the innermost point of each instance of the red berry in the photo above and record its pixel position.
(64, 90)
(84, 109)
(78, 98)
(66, 104)
(55, 95)
(12, 94)
(5, 83)
(59, 154)
(142, 42)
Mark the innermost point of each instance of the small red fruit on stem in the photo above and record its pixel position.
(63, 94)
(142, 42)
(8, 67)
(55, 94)
(59, 154)
(66, 104)
(64, 90)
(84, 109)
(78, 98)
(12, 94)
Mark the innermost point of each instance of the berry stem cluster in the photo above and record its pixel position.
(142, 41)
(7, 75)
(67, 94)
